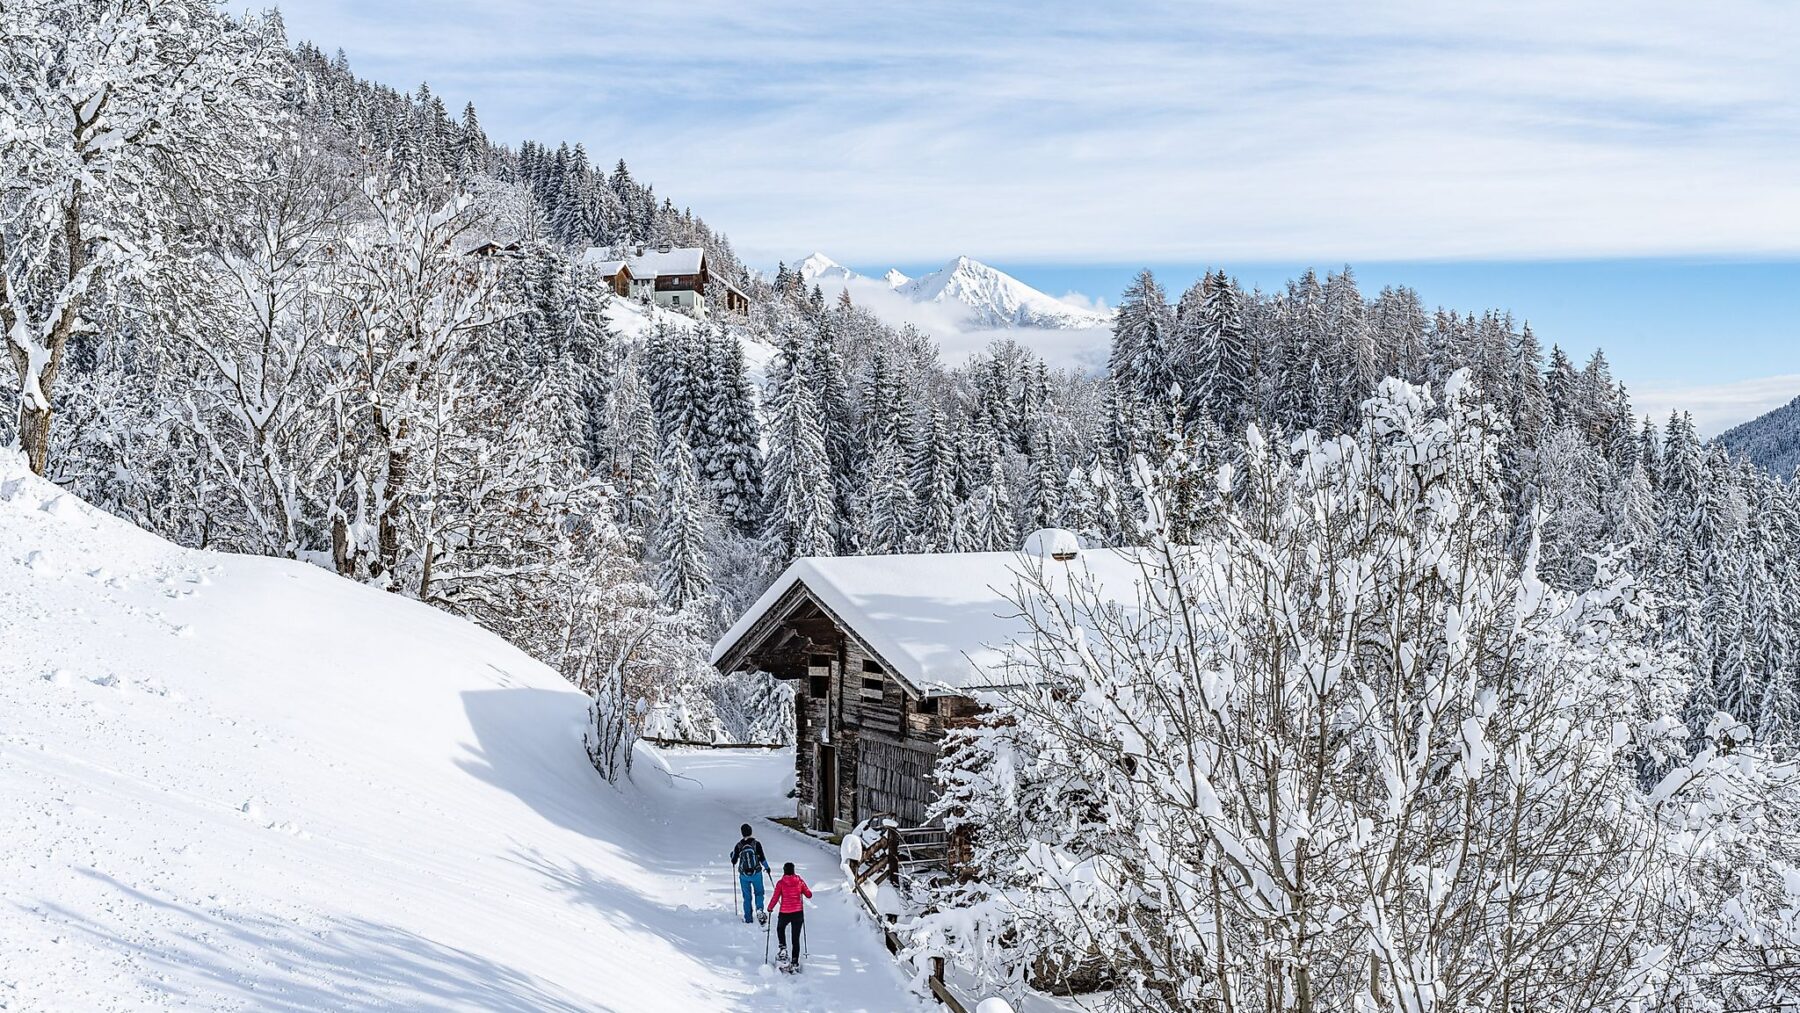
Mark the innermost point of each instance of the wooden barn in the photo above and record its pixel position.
(886, 654)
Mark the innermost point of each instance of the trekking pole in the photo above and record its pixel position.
(765, 940)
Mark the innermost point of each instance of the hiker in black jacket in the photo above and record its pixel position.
(750, 863)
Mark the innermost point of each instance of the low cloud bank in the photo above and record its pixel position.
(1717, 407)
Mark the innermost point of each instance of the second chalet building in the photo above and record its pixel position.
(680, 278)
(889, 652)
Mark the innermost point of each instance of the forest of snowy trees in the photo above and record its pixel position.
(240, 311)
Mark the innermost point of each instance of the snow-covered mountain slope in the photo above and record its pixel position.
(997, 299)
(894, 278)
(1771, 441)
(232, 782)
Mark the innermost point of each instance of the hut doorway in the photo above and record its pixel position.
(826, 802)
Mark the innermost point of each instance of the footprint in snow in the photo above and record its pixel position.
(60, 677)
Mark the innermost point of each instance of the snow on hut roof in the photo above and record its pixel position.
(601, 259)
(655, 263)
(942, 622)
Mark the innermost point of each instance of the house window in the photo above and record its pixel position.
(819, 685)
(928, 705)
(819, 661)
(872, 685)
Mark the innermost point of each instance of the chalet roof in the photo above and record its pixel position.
(944, 623)
(656, 263)
(607, 268)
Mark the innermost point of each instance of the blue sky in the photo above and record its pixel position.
(1619, 173)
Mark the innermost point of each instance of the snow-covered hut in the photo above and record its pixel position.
(616, 273)
(889, 652)
(680, 278)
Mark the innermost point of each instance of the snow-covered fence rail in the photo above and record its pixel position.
(883, 862)
(696, 744)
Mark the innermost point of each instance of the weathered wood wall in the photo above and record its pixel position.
(895, 776)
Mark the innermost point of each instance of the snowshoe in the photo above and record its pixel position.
(781, 960)
(762, 917)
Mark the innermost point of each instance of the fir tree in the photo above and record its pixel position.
(1143, 354)
(799, 497)
(734, 468)
(885, 508)
(684, 576)
(933, 475)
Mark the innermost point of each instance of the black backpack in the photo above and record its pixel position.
(747, 857)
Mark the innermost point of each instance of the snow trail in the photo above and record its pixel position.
(230, 782)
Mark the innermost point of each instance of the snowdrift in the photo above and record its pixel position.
(231, 781)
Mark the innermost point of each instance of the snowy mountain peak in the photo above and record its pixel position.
(819, 267)
(997, 299)
(991, 297)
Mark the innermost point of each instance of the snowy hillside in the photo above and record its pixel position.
(1771, 441)
(245, 783)
(987, 297)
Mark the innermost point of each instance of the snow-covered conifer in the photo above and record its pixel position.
(684, 577)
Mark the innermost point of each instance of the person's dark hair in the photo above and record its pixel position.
(787, 868)
(745, 830)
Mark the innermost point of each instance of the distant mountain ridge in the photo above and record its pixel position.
(992, 298)
(1770, 441)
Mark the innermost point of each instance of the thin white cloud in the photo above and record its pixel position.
(1092, 304)
(1717, 407)
(1221, 131)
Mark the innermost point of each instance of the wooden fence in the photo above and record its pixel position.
(895, 854)
(655, 741)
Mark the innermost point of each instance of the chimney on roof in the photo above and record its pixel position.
(1059, 544)
(640, 249)
(662, 248)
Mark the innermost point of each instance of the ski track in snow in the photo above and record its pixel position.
(230, 782)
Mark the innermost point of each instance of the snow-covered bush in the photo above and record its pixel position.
(1353, 756)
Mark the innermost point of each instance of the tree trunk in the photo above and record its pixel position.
(388, 524)
(34, 436)
(34, 420)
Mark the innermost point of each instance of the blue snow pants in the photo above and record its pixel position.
(745, 884)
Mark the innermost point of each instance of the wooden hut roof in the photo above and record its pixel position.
(943, 623)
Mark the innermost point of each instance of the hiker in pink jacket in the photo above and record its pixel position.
(789, 890)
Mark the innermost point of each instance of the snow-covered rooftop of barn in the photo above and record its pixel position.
(608, 268)
(943, 621)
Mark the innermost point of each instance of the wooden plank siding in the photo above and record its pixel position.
(895, 775)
